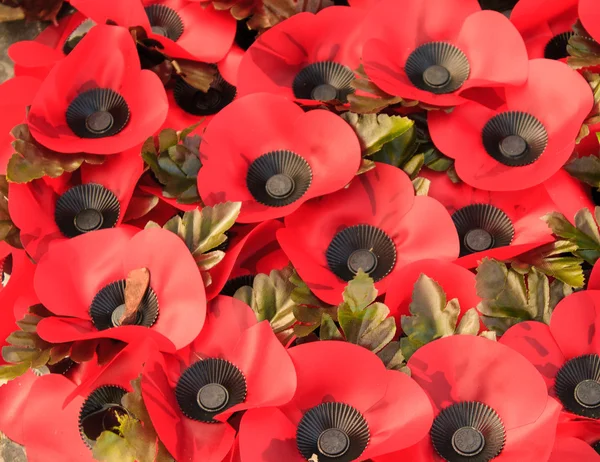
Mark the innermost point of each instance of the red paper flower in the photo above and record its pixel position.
(489, 403)
(97, 100)
(525, 140)
(456, 281)
(497, 225)
(235, 364)
(590, 17)
(577, 441)
(308, 57)
(569, 194)
(567, 353)
(250, 250)
(376, 224)
(15, 95)
(346, 406)
(276, 158)
(546, 26)
(82, 281)
(434, 51)
(61, 420)
(96, 197)
(185, 29)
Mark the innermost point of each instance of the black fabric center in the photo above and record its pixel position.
(513, 146)
(99, 121)
(324, 81)
(165, 21)
(333, 442)
(97, 113)
(197, 102)
(100, 412)
(556, 48)
(587, 393)
(436, 76)
(468, 441)
(88, 220)
(577, 385)
(481, 227)
(478, 240)
(362, 259)
(213, 397)
(279, 186)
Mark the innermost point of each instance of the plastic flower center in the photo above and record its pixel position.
(323, 81)
(556, 48)
(333, 442)
(197, 102)
(108, 307)
(165, 21)
(278, 178)
(100, 412)
(209, 387)
(99, 122)
(468, 430)
(481, 227)
(437, 67)
(468, 441)
(332, 431)
(85, 208)
(361, 247)
(97, 113)
(577, 385)
(514, 138)
(88, 220)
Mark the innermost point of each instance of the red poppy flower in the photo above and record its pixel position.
(97, 99)
(545, 25)
(137, 213)
(524, 141)
(434, 51)
(594, 280)
(567, 353)
(577, 441)
(308, 57)
(82, 281)
(250, 250)
(494, 224)
(376, 224)
(569, 194)
(62, 420)
(347, 406)
(234, 364)
(95, 198)
(185, 29)
(15, 95)
(489, 402)
(456, 281)
(278, 158)
(590, 17)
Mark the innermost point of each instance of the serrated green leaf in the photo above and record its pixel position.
(187, 131)
(392, 357)
(585, 169)
(196, 73)
(110, 447)
(562, 228)
(399, 150)
(209, 260)
(378, 100)
(469, 323)
(414, 165)
(16, 354)
(558, 291)
(368, 327)
(328, 330)
(437, 161)
(167, 138)
(365, 166)
(421, 186)
(12, 371)
(360, 292)
(375, 130)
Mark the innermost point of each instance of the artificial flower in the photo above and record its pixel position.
(96, 197)
(434, 51)
(278, 158)
(545, 25)
(590, 17)
(97, 99)
(347, 407)
(309, 57)
(82, 281)
(376, 224)
(493, 224)
(235, 364)
(577, 441)
(524, 139)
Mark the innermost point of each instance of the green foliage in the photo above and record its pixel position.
(8, 231)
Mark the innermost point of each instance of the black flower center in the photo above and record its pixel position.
(324, 81)
(75, 37)
(334, 432)
(361, 247)
(514, 138)
(86, 208)
(165, 21)
(468, 431)
(232, 286)
(437, 67)
(100, 412)
(208, 387)
(244, 36)
(97, 113)
(556, 48)
(482, 227)
(108, 306)
(278, 178)
(197, 102)
(578, 385)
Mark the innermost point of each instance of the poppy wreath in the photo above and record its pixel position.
(337, 231)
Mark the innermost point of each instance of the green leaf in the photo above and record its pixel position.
(392, 357)
(585, 169)
(360, 292)
(209, 260)
(414, 165)
(469, 323)
(399, 150)
(437, 161)
(421, 186)
(562, 228)
(558, 291)
(8, 231)
(308, 310)
(375, 130)
(368, 327)
(198, 74)
(374, 103)
(32, 161)
(329, 330)
(365, 166)
(12, 371)
(110, 447)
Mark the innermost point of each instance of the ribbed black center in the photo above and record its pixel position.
(468, 441)
(436, 76)
(333, 442)
(478, 240)
(513, 146)
(587, 393)
(88, 220)
(213, 397)
(99, 121)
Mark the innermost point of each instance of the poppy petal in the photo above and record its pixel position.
(573, 450)
(126, 13)
(14, 396)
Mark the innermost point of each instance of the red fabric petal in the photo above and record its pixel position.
(269, 436)
(50, 428)
(490, 373)
(573, 450)
(108, 59)
(569, 194)
(268, 123)
(186, 439)
(178, 119)
(586, 430)
(230, 64)
(14, 396)
(575, 322)
(534, 340)
(330, 371)
(590, 17)
(157, 191)
(126, 13)
(457, 282)
(402, 418)
(594, 281)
